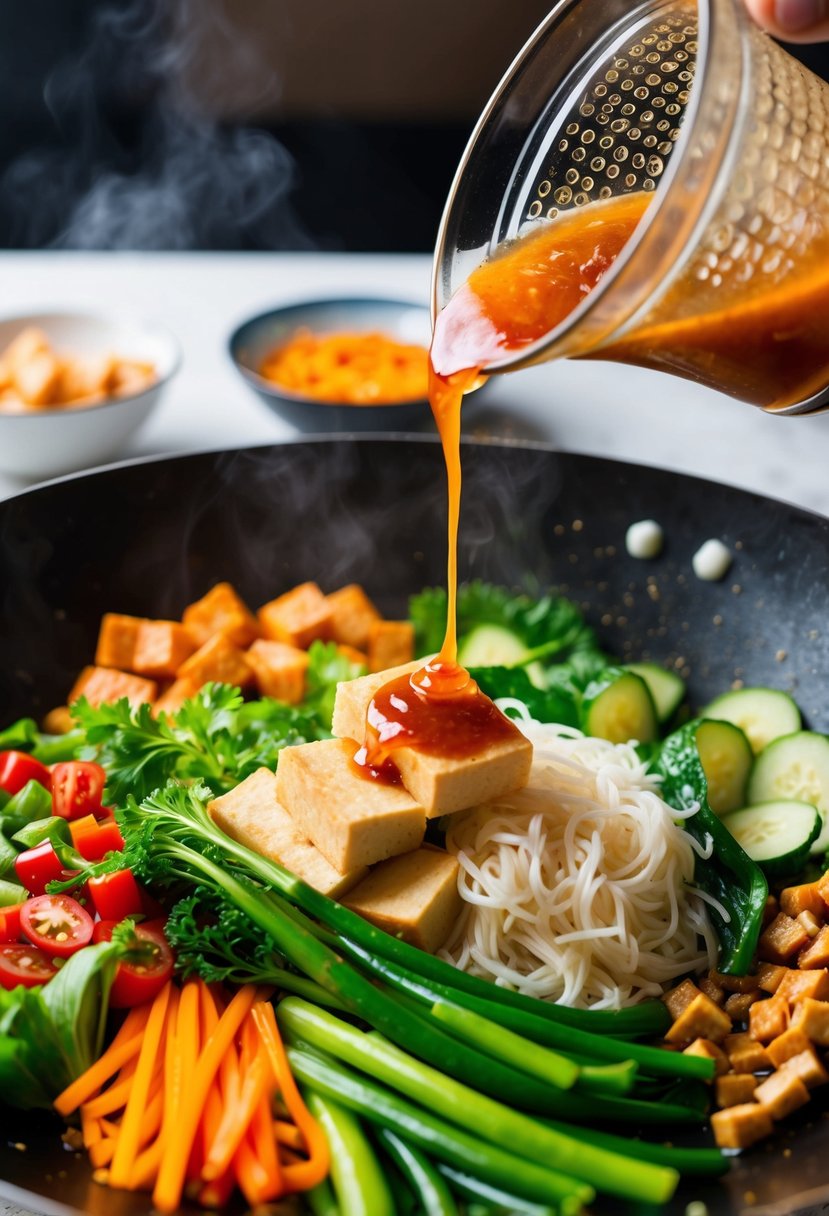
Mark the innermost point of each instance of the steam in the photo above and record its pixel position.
(189, 182)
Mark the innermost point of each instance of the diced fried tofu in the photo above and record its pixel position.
(58, 721)
(746, 1054)
(160, 649)
(38, 378)
(172, 699)
(786, 1045)
(82, 377)
(812, 1017)
(797, 985)
(414, 897)
(104, 684)
(803, 898)
(768, 1019)
(808, 1067)
(217, 660)
(279, 669)
(781, 1093)
(29, 342)
(770, 976)
(712, 988)
(822, 885)
(352, 615)
(354, 656)
(116, 641)
(678, 999)
(221, 610)
(809, 922)
(741, 1126)
(299, 617)
(734, 1088)
(709, 1051)
(701, 1019)
(353, 819)
(739, 1005)
(736, 983)
(390, 643)
(252, 814)
(816, 953)
(782, 938)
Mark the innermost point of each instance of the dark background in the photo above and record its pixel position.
(244, 124)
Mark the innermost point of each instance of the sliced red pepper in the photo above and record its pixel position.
(94, 838)
(116, 896)
(77, 788)
(38, 866)
(10, 923)
(16, 768)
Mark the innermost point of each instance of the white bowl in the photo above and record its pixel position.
(47, 442)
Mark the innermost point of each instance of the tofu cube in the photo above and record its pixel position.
(797, 985)
(279, 670)
(104, 684)
(701, 1019)
(352, 616)
(390, 643)
(353, 819)
(816, 953)
(808, 1067)
(734, 1088)
(354, 656)
(160, 649)
(116, 641)
(252, 814)
(812, 1017)
(736, 983)
(172, 699)
(299, 617)
(217, 660)
(746, 1054)
(768, 1019)
(712, 988)
(221, 611)
(782, 938)
(770, 976)
(781, 1093)
(741, 1126)
(739, 1005)
(803, 898)
(414, 896)
(678, 999)
(37, 381)
(709, 1051)
(822, 886)
(791, 1043)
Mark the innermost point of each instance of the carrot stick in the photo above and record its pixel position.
(237, 1118)
(250, 1174)
(289, 1134)
(91, 1081)
(145, 1167)
(116, 1096)
(263, 1142)
(90, 1128)
(148, 1061)
(100, 1154)
(216, 1194)
(171, 1174)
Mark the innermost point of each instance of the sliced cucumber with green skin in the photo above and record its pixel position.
(795, 767)
(777, 835)
(497, 646)
(618, 706)
(763, 714)
(666, 688)
(727, 758)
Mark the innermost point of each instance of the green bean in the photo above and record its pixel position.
(50, 749)
(698, 1162)
(492, 1196)
(431, 1192)
(359, 1184)
(606, 1078)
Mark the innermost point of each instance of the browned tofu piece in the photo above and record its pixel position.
(24, 346)
(414, 897)
(770, 976)
(709, 1051)
(712, 988)
(104, 684)
(390, 643)
(279, 669)
(354, 656)
(736, 983)
(678, 999)
(768, 1019)
(734, 1088)
(116, 641)
(809, 922)
(352, 616)
(353, 819)
(701, 1019)
(58, 721)
(741, 1126)
(160, 649)
(804, 898)
(37, 381)
(221, 611)
(781, 1093)
(808, 1067)
(812, 1017)
(782, 938)
(173, 697)
(217, 660)
(299, 617)
(822, 885)
(746, 1054)
(816, 953)
(797, 985)
(790, 1043)
(739, 1005)
(252, 814)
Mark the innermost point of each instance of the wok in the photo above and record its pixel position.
(147, 538)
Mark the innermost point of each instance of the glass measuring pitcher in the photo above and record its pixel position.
(725, 280)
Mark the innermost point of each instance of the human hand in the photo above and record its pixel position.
(792, 20)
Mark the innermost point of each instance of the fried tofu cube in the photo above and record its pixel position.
(37, 380)
(822, 886)
(812, 1017)
(741, 1126)
(279, 670)
(104, 684)
(768, 1019)
(352, 616)
(252, 814)
(116, 641)
(84, 377)
(816, 954)
(221, 610)
(353, 819)
(734, 1088)
(58, 721)
(390, 643)
(701, 1019)
(440, 784)
(709, 1051)
(782, 938)
(736, 983)
(29, 342)
(354, 656)
(160, 649)
(770, 976)
(217, 660)
(803, 898)
(172, 699)
(299, 617)
(712, 988)
(790, 1043)
(781, 1093)
(414, 896)
(739, 1005)
(746, 1054)
(808, 1067)
(797, 985)
(678, 999)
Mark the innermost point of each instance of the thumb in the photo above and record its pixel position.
(792, 20)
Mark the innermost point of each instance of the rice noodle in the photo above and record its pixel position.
(577, 888)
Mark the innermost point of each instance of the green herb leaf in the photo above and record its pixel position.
(545, 705)
(327, 667)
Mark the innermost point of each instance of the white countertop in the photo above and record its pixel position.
(589, 407)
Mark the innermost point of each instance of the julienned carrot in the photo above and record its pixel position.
(238, 1116)
(100, 1154)
(90, 1128)
(115, 1096)
(91, 1081)
(250, 1173)
(263, 1142)
(149, 1062)
(289, 1134)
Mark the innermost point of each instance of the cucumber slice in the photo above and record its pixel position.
(726, 758)
(619, 707)
(497, 646)
(795, 767)
(763, 714)
(666, 688)
(777, 835)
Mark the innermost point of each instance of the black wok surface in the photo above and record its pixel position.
(148, 538)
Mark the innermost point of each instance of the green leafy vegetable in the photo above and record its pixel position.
(545, 704)
(327, 667)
